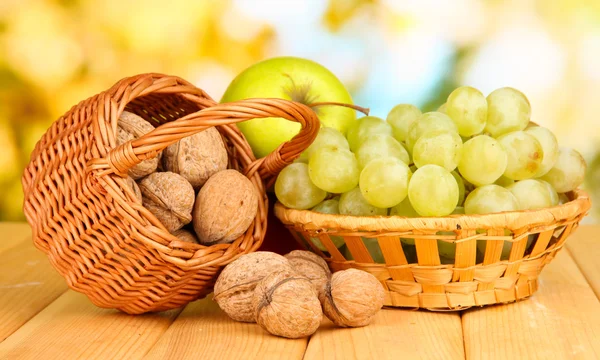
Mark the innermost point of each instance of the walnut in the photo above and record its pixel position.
(225, 207)
(287, 305)
(236, 283)
(169, 197)
(185, 235)
(131, 127)
(197, 157)
(136, 189)
(311, 266)
(352, 298)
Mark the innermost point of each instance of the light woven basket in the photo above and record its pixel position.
(419, 279)
(87, 220)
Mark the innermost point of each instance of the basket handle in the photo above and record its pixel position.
(121, 158)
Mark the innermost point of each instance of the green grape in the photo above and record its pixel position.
(467, 107)
(438, 148)
(468, 186)
(524, 155)
(508, 111)
(384, 182)
(506, 247)
(374, 249)
(372, 246)
(302, 158)
(568, 171)
(504, 181)
(400, 118)
(378, 146)
(333, 169)
(407, 241)
(553, 194)
(447, 250)
(461, 187)
(326, 137)
(459, 210)
(490, 199)
(346, 253)
(365, 126)
(353, 203)
(530, 125)
(549, 147)
(563, 199)
(330, 206)
(338, 241)
(431, 121)
(294, 189)
(433, 191)
(531, 194)
(405, 209)
(442, 108)
(483, 160)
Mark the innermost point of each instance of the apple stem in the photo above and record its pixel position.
(355, 107)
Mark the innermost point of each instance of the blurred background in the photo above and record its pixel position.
(54, 53)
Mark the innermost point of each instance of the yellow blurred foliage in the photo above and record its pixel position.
(55, 53)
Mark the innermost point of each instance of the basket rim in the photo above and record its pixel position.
(514, 220)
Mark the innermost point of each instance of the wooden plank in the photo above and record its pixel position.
(584, 245)
(13, 234)
(560, 321)
(73, 328)
(203, 331)
(393, 334)
(28, 283)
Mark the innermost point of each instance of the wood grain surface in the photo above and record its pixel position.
(41, 319)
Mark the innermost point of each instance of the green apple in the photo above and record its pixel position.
(289, 78)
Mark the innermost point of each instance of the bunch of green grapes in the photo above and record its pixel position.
(475, 155)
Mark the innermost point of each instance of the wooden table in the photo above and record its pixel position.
(41, 318)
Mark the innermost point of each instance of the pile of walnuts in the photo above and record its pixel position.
(287, 295)
(189, 183)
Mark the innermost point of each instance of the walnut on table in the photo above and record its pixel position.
(311, 266)
(352, 298)
(286, 304)
(235, 286)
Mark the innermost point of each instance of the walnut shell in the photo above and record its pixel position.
(225, 207)
(131, 127)
(169, 197)
(287, 305)
(311, 266)
(185, 235)
(352, 298)
(236, 283)
(197, 157)
(136, 189)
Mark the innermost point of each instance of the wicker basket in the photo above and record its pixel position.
(416, 277)
(88, 221)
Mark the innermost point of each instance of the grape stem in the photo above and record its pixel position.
(352, 106)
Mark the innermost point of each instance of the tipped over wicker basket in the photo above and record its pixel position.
(90, 224)
(414, 276)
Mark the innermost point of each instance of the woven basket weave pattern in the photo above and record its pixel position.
(89, 222)
(428, 283)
